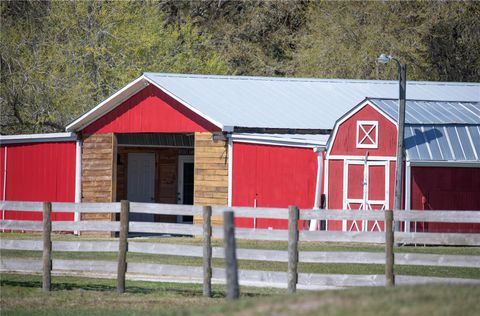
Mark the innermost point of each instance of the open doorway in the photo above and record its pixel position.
(155, 168)
(185, 184)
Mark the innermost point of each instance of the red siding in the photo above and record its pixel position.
(436, 188)
(345, 140)
(345, 144)
(335, 190)
(39, 172)
(2, 169)
(275, 176)
(150, 110)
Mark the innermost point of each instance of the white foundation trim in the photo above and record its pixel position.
(230, 170)
(78, 178)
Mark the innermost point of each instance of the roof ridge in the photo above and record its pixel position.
(423, 100)
(302, 79)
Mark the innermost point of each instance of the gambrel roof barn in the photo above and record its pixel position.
(442, 171)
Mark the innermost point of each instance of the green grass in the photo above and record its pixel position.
(274, 245)
(22, 295)
(336, 268)
(473, 273)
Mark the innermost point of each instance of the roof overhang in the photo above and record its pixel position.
(353, 111)
(445, 163)
(38, 138)
(122, 95)
(279, 140)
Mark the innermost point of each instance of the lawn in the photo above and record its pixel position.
(21, 295)
(473, 273)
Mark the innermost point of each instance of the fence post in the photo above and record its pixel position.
(47, 247)
(293, 215)
(233, 290)
(389, 256)
(123, 246)
(207, 251)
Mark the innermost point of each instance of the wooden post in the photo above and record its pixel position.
(207, 251)
(123, 246)
(293, 215)
(233, 290)
(47, 247)
(389, 256)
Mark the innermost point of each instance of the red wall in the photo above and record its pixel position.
(335, 190)
(275, 176)
(150, 110)
(39, 172)
(344, 144)
(437, 188)
(345, 139)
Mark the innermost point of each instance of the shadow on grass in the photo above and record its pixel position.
(68, 286)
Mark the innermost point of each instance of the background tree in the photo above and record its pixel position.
(59, 59)
(58, 64)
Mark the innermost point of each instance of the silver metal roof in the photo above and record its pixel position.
(296, 140)
(37, 138)
(442, 142)
(438, 131)
(264, 102)
(433, 112)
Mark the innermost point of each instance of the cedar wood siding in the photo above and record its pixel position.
(99, 172)
(211, 173)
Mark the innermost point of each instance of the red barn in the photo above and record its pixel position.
(442, 171)
(210, 140)
(40, 167)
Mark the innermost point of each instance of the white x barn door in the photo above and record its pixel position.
(366, 187)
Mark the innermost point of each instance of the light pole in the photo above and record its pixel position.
(402, 77)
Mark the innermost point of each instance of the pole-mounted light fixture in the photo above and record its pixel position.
(383, 59)
(402, 77)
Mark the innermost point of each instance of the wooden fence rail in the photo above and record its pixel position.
(440, 216)
(357, 257)
(123, 269)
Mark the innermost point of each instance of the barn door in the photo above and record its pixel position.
(141, 182)
(366, 188)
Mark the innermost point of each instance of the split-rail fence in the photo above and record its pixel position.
(231, 275)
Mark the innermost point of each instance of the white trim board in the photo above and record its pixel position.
(182, 159)
(357, 157)
(277, 143)
(284, 140)
(108, 105)
(373, 131)
(349, 114)
(123, 94)
(230, 172)
(446, 164)
(38, 138)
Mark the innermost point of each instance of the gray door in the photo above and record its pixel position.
(141, 182)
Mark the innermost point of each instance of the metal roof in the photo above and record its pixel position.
(295, 140)
(37, 138)
(432, 112)
(293, 103)
(438, 131)
(270, 102)
(442, 142)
